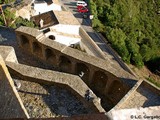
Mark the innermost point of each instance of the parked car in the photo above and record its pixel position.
(81, 3)
(82, 9)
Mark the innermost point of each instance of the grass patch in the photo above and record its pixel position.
(153, 81)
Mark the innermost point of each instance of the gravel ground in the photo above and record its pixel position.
(41, 101)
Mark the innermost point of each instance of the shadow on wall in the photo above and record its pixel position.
(153, 99)
(83, 72)
(129, 82)
(64, 64)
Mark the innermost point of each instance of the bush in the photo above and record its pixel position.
(131, 26)
(24, 22)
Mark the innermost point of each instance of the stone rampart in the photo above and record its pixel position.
(11, 105)
(70, 82)
(99, 75)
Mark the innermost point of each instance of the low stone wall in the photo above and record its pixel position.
(151, 86)
(87, 40)
(70, 82)
(11, 105)
(127, 96)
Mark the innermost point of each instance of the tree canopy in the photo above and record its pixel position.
(131, 26)
(13, 21)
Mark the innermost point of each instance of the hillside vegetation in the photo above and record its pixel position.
(131, 26)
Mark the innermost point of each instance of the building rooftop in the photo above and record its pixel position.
(65, 17)
(55, 17)
(49, 19)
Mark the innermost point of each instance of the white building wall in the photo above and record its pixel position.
(69, 29)
(43, 7)
(64, 39)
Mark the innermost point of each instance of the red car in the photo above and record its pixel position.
(82, 9)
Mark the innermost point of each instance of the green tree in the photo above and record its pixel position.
(24, 22)
(9, 16)
(131, 26)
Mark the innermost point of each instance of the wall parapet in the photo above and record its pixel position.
(73, 61)
(48, 77)
(127, 96)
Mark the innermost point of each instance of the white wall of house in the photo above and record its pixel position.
(69, 29)
(64, 39)
(43, 7)
(24, 13)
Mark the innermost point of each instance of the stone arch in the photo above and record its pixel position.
(52, 37)
(24, 41)
(49, 55)
(99, 82)
(115, 87)
(83, 71)
(37, 49)
(116, 91)
(65, 64)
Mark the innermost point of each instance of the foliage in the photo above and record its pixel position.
(6, 1)
(131, 26)
(9, 16)
(14, 22)
(153, 81)
(24, 22)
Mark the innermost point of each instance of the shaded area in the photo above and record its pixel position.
(49, 101)
(8, 38)
(98, 85)
(154, 66)
(142, 97)
(24, 42)
(49, 1)
(153, 99)
(37, 49)
(64, 64)
(49, 55)
(49, 19)
(83, 71)
(99, 82)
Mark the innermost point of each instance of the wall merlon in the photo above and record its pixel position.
(8, 54)
(33, 32)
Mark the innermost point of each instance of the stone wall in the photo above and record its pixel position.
(96, 73)
(151, 86)
(11, 105)
(48, 77)
(8, 54)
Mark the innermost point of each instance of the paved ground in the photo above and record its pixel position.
(43, 101)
